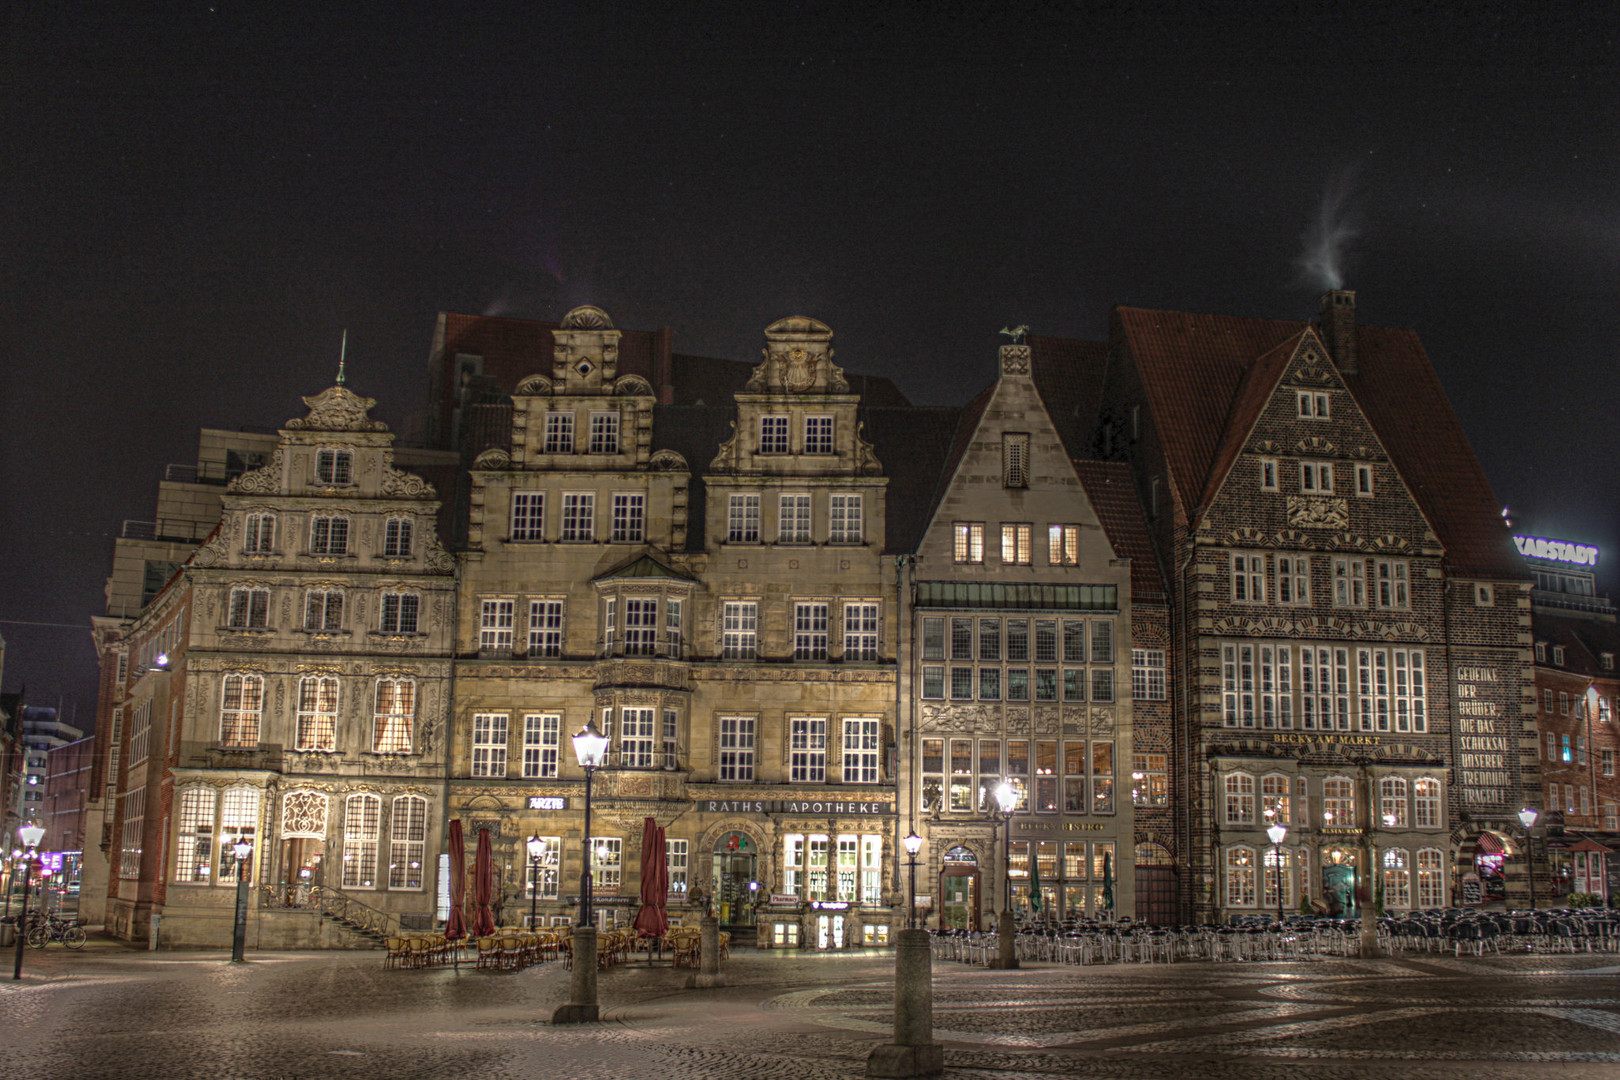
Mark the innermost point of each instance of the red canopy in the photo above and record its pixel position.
(652, 920)
(483, 887)
(456, 928)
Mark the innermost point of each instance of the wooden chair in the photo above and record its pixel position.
(396, 952)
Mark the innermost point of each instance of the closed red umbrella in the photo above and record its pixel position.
(652, 920)
(456, 928)
(483, 887)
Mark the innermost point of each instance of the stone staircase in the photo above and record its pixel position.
(743, 937)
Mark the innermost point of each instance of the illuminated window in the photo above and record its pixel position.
(238, 821)
(317, 712)
(1063, 545)
(408, 848)
(1338, 803)
(844, 524)
(362, 815)
(807, 759)
(1426, 803)
(250, 609)
(1239, 799)
(242, 706)
(969, 547)
(1015, 543)
(540, 875)
(489, 745)
(542, 734)
(793, 519)
(194, 843)
(395, 712)
(1240, 885)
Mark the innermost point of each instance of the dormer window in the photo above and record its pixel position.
(1558, 655)
(818, 434)
(559, 433)
(1015, 460)
(604, 433)
(773, 434)
(334, 466)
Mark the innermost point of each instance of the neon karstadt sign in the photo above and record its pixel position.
(1534, 547)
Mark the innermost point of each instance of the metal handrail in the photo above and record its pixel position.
(334, 902)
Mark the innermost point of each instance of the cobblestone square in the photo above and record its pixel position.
(116, 1013)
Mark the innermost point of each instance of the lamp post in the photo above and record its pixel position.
(913, 845)
(30, 835)
(1527, 818)
(1277, 833)
(1006, 931)
(243, 850)
(590, 748)
(537, 849)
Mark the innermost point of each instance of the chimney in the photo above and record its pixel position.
(1339, 328)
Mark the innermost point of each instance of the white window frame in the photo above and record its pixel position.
(1316, 477)
(629, 517)
(774, 435)
(241, 717)
(496, 618)
(546, 628)
(1148, 675)
(1248, 577)
(399, 612)
(362, 822)
(742, 518)
(559, 433)
(793, 521)
(1293, 579)
(578, 517)
(807, 753)
(249, 608)
(318, 707)
(542, 743)
(862, 750)
(1063, 545)
(1238, 801)
(861, 630)
(398, 537)
(490, 736)
(818, 435)
(1268, 474)
(810, 630)
(195, 808)
(1349, 581)
(329, 534)
(1392, 579)
(1315, 405)
(528, 516)
(604, 437)
(259, 534)
(334, 468)
(393, 716)
(638, 737)
(736, 749)
(1364, 481)
(739, 629)
(407, 843)
(1240, 877)
(845, 519)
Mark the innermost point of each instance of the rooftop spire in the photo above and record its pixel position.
(343, 355)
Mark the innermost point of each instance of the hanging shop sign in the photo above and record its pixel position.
(830, 905)
(784, 899)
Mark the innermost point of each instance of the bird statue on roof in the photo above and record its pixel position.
(1017, 333)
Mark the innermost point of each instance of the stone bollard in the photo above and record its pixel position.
(582, 1007)
(1006, 943)
(708, 974)
(914, 1051)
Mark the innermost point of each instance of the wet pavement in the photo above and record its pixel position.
(114, 1012)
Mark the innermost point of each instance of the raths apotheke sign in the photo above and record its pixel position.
(854, 807)
(1535, 547)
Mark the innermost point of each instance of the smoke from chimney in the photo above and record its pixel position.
(1327, 238)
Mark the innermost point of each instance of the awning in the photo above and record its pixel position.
(1488, 844)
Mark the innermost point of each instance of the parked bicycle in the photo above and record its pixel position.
(44, 929)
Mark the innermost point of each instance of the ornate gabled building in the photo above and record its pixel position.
(1019, 667)
(1349, 613)
(737, 649)
(296, 698)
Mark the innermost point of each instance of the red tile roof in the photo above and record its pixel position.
(1112, 491)
(1193, 370)
(1252, 394)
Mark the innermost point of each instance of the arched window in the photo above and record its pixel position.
(1431, 878)
(1392, 802)
(1239, 799)
(1397, 879)
(1339, 803)
(1240, 877)
(241, 707)
(1426, 803)
(361, 817)
(407, 850)
(317, 712)
(1152, 855)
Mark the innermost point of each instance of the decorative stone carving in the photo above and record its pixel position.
(265, 480)
(632, 386)
(1316, 446)
(1102, 723)
(303, 813)
(1318, 512)
(406, 485)
(214, 553)
(1015, 359)
(960, 718)
(1046, 719)
(534, 384)
(587, 317)
(438, 561)
(338, 409)
(668, 461)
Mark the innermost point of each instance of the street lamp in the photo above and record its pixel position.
(913, 845)
(1277, 833)
(537, 849)
(590, 748)
(243, 850)
(1527, 818)
(1006, 932)
(30, 835)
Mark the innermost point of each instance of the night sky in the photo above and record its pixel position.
(197, 199)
